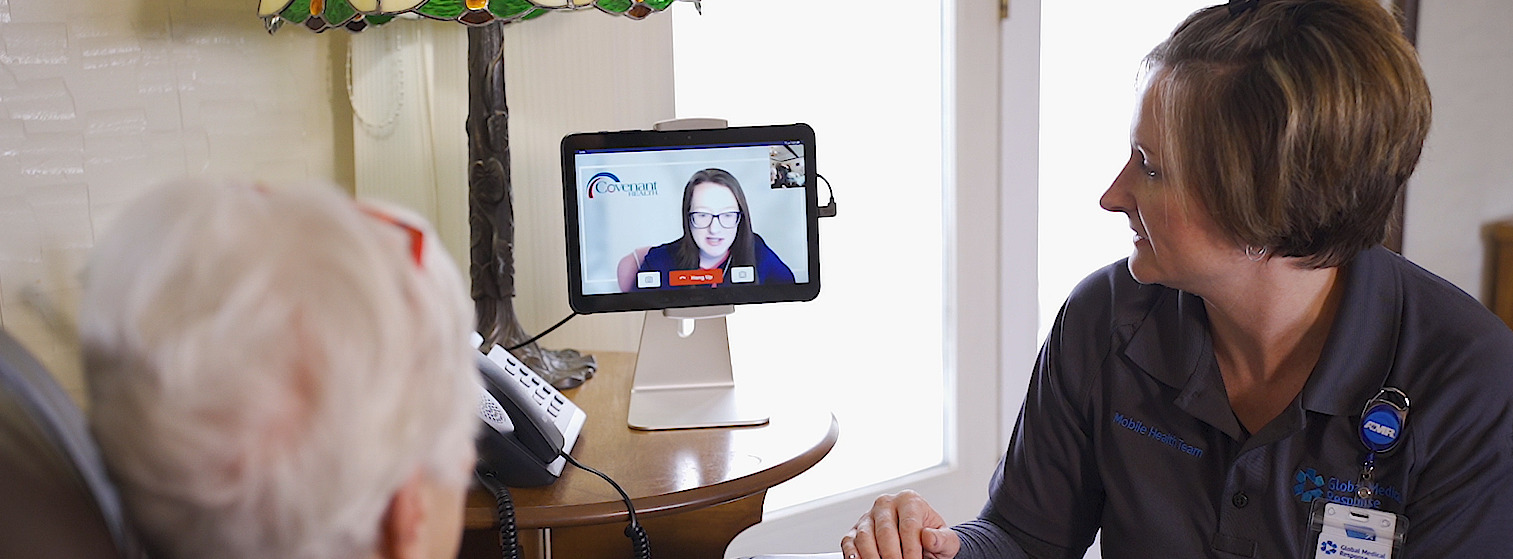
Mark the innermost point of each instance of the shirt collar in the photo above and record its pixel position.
(1172, 340)
(1363, 340)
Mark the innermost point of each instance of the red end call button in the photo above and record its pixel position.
(695, 277)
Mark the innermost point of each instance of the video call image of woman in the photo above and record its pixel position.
(717, 235)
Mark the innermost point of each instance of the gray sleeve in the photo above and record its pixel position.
(990, 537)
(1046, 498)
(1460, 503)
(981, 539)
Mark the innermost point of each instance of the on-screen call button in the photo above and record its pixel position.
(742, 274)
(648, 280)
(695, 277)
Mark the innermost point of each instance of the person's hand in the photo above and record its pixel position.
(901, 526)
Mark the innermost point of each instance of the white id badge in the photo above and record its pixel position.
(1346, 532)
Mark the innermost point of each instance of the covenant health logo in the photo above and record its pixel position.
(608, 184)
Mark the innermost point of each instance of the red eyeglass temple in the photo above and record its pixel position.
(417, 237)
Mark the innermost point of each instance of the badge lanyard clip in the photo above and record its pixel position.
(1382, 422)
(1343, 530)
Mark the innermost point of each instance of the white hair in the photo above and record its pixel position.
(268, 366)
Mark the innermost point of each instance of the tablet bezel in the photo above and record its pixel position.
(683, 298)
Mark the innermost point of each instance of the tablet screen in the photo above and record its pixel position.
(667, 219)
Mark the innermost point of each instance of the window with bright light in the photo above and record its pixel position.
(1090, 55)
(1088, 94)
(870, 349)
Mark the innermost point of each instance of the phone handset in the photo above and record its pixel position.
(529, 424)
(529, 435)
(524, 397)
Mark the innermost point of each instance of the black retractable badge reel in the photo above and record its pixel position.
(1352, 527)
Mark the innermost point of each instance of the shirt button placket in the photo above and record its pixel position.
(1236, 519)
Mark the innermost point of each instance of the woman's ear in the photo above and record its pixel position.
(400, 534)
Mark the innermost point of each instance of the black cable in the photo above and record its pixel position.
(827, 210)
(640, 545)
(543, 333)
(509, 544)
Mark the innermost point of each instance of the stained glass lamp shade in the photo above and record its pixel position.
(356, 15)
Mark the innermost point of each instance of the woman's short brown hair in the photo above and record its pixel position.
(1295, 122)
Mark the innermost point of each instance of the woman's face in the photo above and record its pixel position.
(713, 240)
(1177, 244)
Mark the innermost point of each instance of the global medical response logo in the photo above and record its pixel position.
(1349, 550)
(607, 184)
(1311, 486)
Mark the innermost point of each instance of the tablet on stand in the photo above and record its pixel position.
(649, 214)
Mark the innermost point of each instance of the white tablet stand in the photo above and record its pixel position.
(683, 373)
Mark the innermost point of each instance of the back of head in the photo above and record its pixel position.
(267, 366)
(1295, 122)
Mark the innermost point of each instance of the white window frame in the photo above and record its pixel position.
(991, 256)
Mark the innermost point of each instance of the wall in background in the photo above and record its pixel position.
(1465, 179)
(575, 72)
(568, 72)
(101, 100)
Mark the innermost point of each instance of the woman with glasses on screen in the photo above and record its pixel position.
(717, 235)
(1252, 365)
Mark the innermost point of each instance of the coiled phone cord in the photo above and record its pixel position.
(509, 544)
(508, 541)
(640, 545)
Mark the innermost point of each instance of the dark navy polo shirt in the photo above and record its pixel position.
(1127, 428)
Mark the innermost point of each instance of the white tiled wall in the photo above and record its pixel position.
(99, 100)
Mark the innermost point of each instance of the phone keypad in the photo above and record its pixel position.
(544, 394)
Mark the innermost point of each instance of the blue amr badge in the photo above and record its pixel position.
(1382, 421)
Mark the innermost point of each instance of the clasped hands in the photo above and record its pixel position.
(901, 526)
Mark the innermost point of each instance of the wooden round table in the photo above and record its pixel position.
(694, 489)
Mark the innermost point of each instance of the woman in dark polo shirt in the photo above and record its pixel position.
(1202, 397)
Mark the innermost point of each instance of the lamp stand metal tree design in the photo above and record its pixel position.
(491, 220)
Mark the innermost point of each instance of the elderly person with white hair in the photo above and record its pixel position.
(281, 373)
